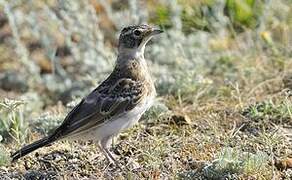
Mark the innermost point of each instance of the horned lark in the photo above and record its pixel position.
(116, 104)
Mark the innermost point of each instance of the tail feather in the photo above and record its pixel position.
(29, 148)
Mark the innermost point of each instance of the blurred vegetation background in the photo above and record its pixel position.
(222, 66)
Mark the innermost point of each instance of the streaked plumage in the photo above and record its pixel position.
(116, 104)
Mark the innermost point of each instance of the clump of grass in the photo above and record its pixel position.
(268, 141)
(277, 112)
(231, 163)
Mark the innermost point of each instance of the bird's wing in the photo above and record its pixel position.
(101, 105)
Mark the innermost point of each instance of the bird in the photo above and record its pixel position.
(116, 104)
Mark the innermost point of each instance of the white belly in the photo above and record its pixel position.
(113, 127)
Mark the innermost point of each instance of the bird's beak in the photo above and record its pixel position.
(155, 31)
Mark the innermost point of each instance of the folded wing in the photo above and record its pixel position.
(101, 105)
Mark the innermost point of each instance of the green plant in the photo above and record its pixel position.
(278, 112)
(162, 16)
(244, 12)
(197, 15)
(12, 120)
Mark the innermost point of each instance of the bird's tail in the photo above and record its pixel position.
(31, 147)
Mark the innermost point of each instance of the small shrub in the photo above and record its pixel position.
(254, 163)
(227, 164)
(157, 111)
(12, 120)
(232, 162)
(47, 122)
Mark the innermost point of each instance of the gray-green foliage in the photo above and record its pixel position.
(157, 111)
(47, 122)
(12, 120)
(232, 162)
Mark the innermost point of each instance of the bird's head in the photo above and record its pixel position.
(134, 38)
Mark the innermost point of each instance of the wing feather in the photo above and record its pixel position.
(101, 105)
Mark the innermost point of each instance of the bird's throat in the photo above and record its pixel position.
(131, 53)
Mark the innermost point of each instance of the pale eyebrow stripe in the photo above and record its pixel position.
(128, 32)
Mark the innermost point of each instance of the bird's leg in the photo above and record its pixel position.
(105, 154)
(111, 157)
(104, 145)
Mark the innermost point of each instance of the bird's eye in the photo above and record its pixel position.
(137, 32)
